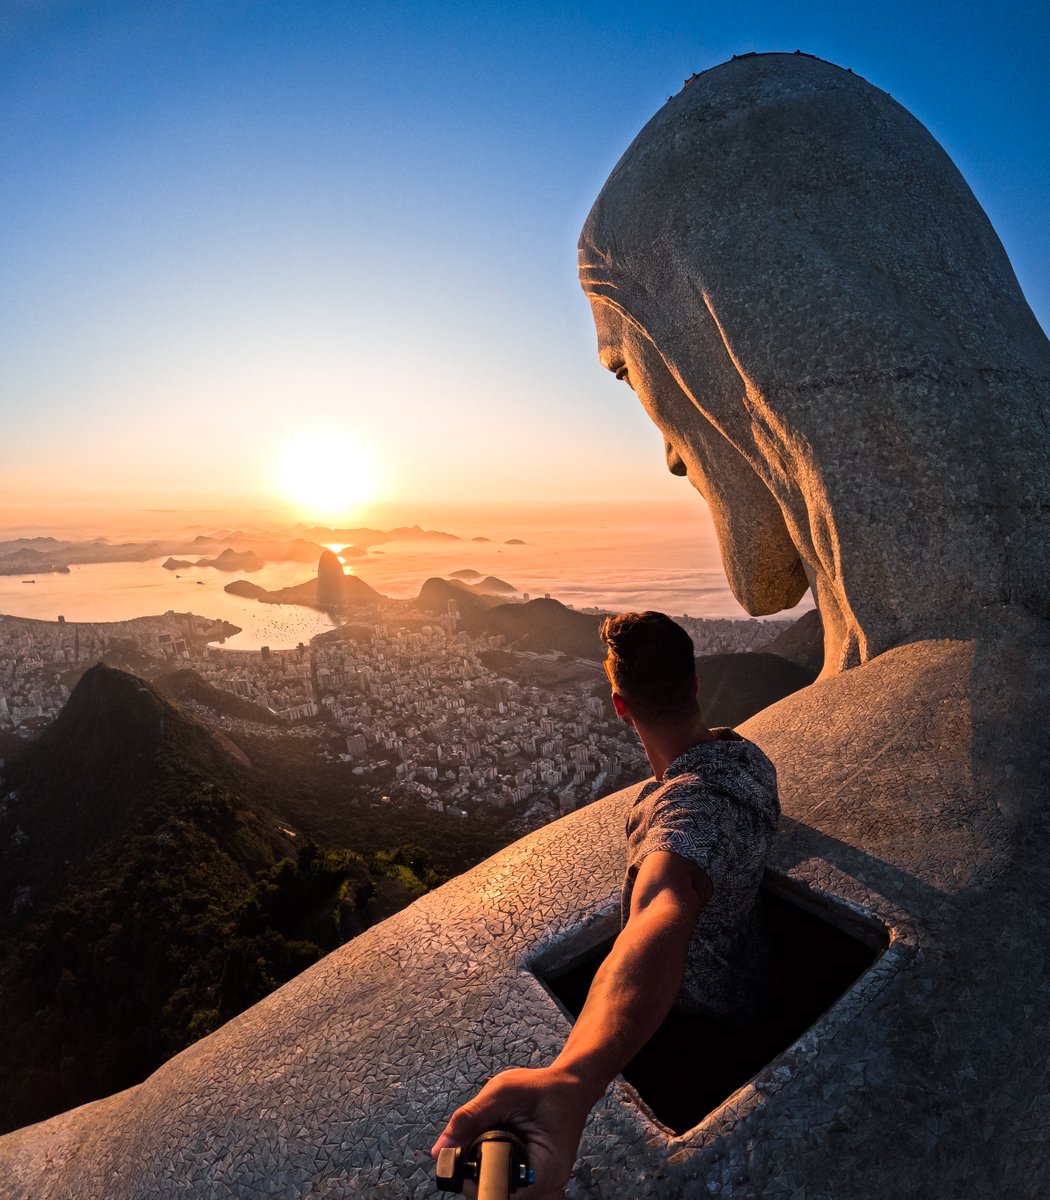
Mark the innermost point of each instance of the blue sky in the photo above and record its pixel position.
(230, 222)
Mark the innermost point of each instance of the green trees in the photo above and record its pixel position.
(163, 899)
(136, 965)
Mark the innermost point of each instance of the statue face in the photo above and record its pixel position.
(817, 315)
(760, 559)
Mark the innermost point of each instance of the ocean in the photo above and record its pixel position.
(630, 558)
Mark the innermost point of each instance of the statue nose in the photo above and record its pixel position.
(674, 461)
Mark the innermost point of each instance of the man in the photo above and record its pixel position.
(697, 839)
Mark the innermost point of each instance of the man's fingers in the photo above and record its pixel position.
(466, 1122)
(505, 1099)
(443, 1142)
(449, 1136)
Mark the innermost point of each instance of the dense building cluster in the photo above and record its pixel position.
(280, 681)
(39, 660)
(416, 709)
(414, 705)
(724, 635)
(419, 694)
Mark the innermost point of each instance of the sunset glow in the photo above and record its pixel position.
(326, 476)
(254, 254)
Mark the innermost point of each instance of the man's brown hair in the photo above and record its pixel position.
(650, 663)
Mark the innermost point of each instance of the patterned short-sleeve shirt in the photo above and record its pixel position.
(717, 807)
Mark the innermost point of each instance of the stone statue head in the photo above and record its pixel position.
(814, 309)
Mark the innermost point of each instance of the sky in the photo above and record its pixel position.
(230, 226)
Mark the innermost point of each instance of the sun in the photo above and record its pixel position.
(326, 475)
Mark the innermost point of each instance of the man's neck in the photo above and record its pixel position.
(664, 743)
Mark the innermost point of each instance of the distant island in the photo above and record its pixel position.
(228, 560)
(330, 590)
(42, 568)
(241, 550)
(489, 583)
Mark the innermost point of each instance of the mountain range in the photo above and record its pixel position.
(150, 890)
(298, 544)
(733, 687)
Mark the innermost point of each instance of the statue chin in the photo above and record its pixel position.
(765, 572)
(759, 556)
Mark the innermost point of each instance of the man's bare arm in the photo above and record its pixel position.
(632, 992)
(638, 982)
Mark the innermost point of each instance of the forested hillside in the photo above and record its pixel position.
(149, 891)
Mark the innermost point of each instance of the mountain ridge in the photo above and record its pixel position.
(177, 896)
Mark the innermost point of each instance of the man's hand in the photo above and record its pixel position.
(546, 1108)
(631, 994)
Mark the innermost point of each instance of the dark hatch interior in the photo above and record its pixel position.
(694, 1063)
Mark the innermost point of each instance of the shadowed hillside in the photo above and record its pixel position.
(187, 686)
(539, 625)
(802, 643)
(734, 687)
(118, 760)
(148, 894)
(435, 594)
(544, 625)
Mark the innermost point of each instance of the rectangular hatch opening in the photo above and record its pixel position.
(694, 1063)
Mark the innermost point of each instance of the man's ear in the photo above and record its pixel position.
(618, 704)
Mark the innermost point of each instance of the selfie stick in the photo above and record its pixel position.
(496, 1160)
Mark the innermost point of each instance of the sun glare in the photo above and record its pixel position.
(326, 475)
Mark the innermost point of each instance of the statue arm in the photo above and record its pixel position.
(632, 993)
